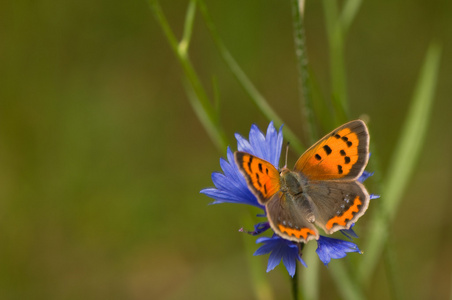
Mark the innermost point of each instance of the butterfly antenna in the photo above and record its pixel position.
(287, 153)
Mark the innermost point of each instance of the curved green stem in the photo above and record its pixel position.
(196, 93)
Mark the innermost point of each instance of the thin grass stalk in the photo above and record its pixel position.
(201, 103)
(257, 98)
(403, 161)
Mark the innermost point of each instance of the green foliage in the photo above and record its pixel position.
(337, 23)
(102, 158)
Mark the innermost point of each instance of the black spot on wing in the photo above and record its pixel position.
(257, 180)
(249, 163)
(327, 149)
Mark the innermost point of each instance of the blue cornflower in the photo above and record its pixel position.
(230, 186)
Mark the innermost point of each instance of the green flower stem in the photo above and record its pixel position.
(392, 270)
(304, 80)
(246, 83)
(337, 63)
(197, 96)
(260, 282)
(294, 281)
(310, 277)
(403, 161)
(348, 288)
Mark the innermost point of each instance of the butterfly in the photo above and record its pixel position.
(322, 189)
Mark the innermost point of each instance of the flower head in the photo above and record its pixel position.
(231, 187)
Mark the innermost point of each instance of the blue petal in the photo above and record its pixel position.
(274, 144)
(279, 249)
(258, 228)
(257, 141)
(349, 233)
(275, 256)
(266, 248)
(290, 261)
(328, 248)
(364, 176)
(243, 144)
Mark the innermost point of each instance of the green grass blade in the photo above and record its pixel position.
(403, 161)
(323, 109)
(348, 14)
(196, 93)
(337, 60)
(246, 83)
(161, 19)
(188, 27)
(217, 136)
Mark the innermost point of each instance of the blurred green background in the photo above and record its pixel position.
(102, 158)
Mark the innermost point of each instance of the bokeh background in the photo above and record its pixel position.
(102, 158)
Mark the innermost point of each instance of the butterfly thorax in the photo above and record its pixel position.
(291, 182)
(293, 185)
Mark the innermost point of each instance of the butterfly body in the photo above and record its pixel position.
(291, 182)
(321, 190)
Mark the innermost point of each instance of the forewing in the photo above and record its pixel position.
(289, 217)
(338, 204)
(341, 154)
(262, 177)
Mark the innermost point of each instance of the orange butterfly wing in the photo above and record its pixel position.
(262, 177)
(341, 154)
